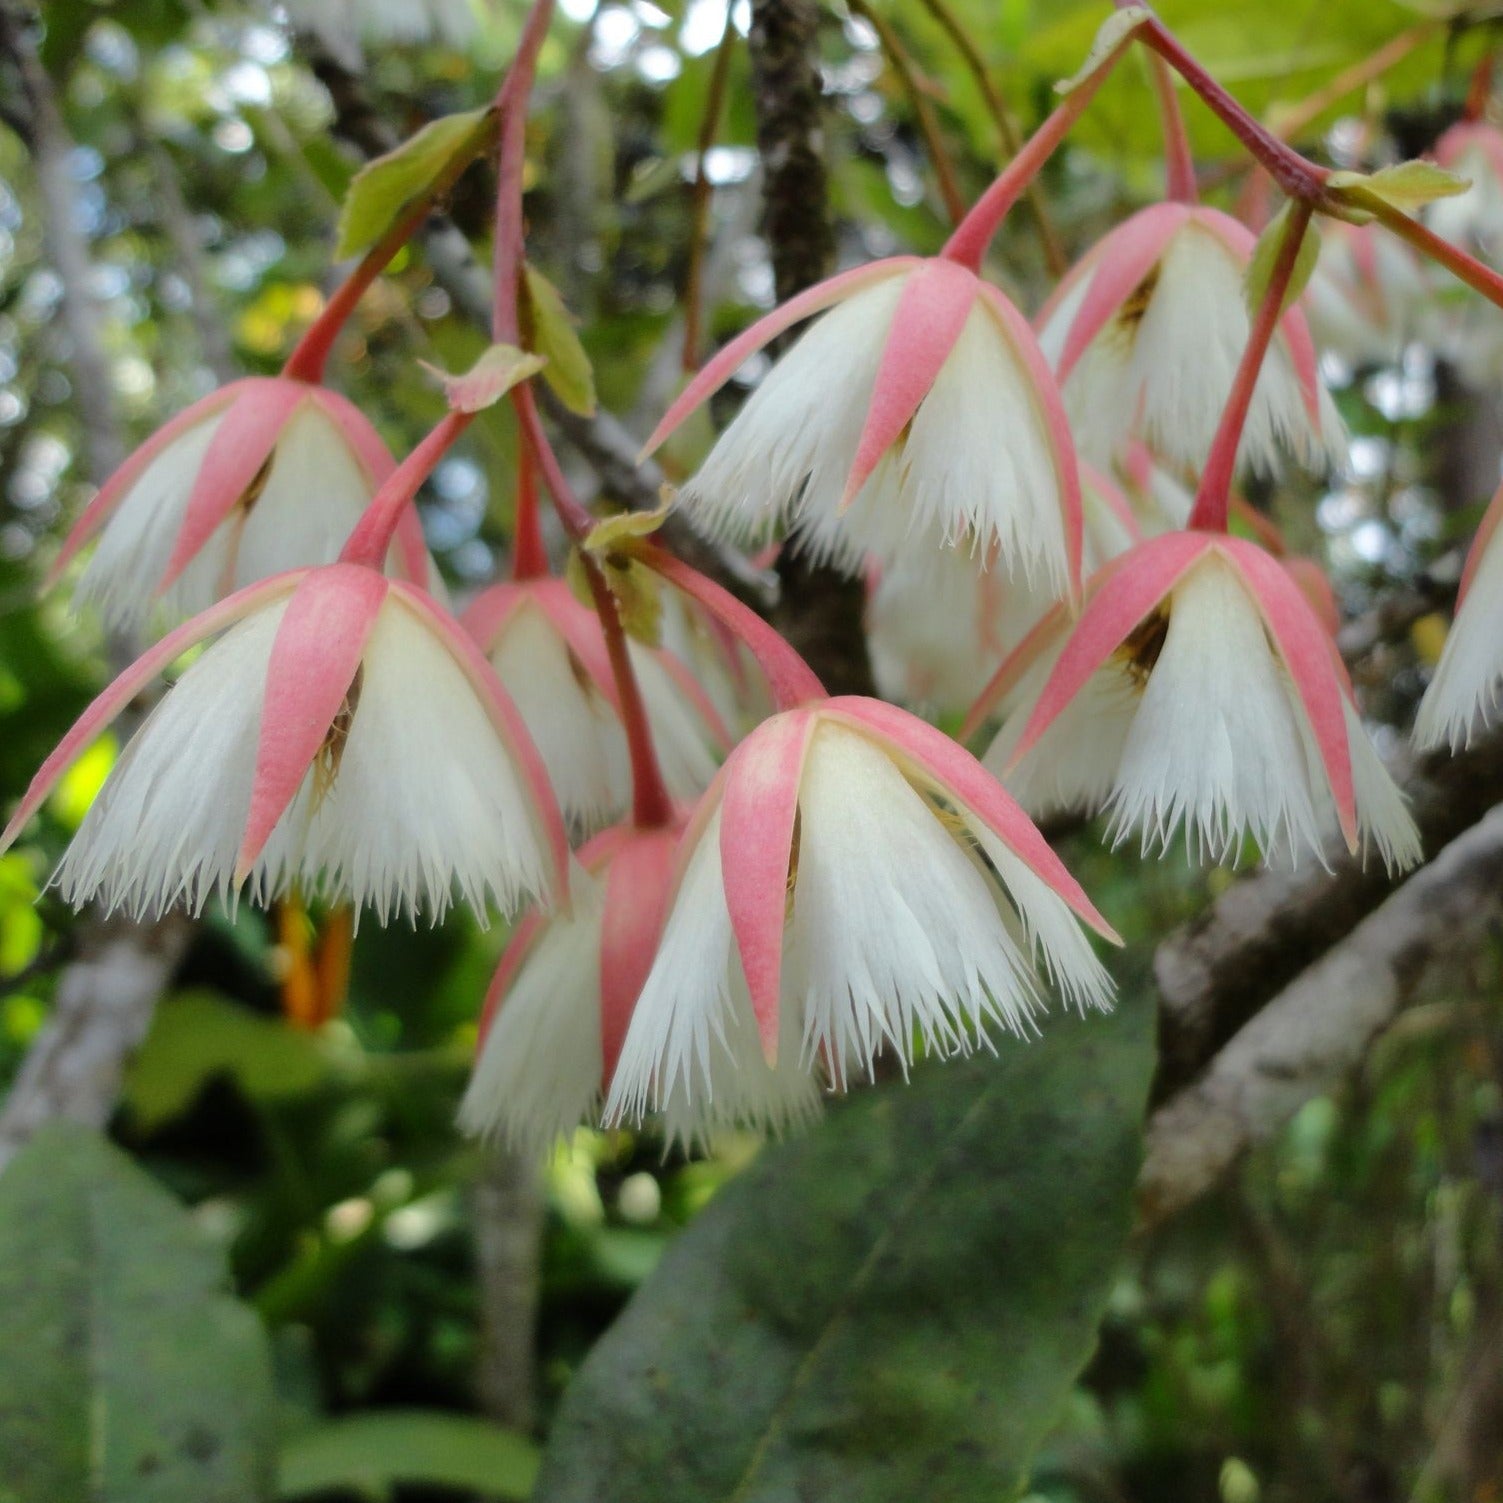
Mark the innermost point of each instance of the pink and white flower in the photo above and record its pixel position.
(264, 475)
(1472, 149)
(1145, 335)
(1463, 697)
(1199, 689)
(917, 411)
(558, 1010)
(853, 879)
(1367, 293)
(339, 731)
(549, 652)
(940, 620)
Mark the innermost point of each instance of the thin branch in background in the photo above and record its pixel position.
(819, 611)
(917, 91)
(1009, 136)
(702, 192)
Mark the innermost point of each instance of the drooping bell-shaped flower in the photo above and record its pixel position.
(1367, 293)
(549, 652)
(940, 620)
(1473, 150)
(1198, 690)
(264, 475)
(558, 1009)
(1464, 695)
(852, 881)
(339, 730)
(915, 412)
(1145, 335)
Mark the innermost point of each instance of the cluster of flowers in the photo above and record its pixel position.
(729, 938)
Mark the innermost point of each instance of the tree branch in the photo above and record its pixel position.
(1320, 1025)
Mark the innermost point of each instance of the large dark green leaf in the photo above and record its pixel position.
(892, 1308)
(127, 1374)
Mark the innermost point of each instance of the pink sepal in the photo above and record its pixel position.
(933, 306)
(109, 495)
(241, 445)
(637, 882)
(1314, 584)
(314, 658)
(1486, 138)
(758, 813)
(508, 722)
(1485, 530)
(1116, 266)
(1051, 407)
(726, 362)
(1038, 639)
(487, 615)
(961, 776)
(523, 937)
(1305, 647)
(1138, 580)
(118, 694)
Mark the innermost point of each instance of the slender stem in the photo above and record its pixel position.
(651, 805)
(311, 353)
(529, 559)
(512, 103)
(1479, 89)
(792, 681)
(1179, 163)
(934, 142)
(373, 533)
(1009, 136)
(700, 193)
(1212, 499)
(969, 242)
(1299, 178)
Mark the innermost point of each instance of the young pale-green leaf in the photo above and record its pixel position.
(1266, 253)
(428, 161)
(636, 588)
(892, 1308)
(130, 1373)
(1406, 186)
(548, 328)
(499, 368)
(1115, 33)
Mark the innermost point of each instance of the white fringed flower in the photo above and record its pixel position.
(1472, 149)
(916, 411)
(262, 476)
(1145, 335)
(853, 881)
(559, 1007)
(549, 653)
(1366, 295)
(1463, 697)
(1199, 691)
(940, 620)
(340, 732)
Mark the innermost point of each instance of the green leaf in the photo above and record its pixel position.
(499, 368)
(549, 327)
(1406, 186)
(377, 1450)
(429, 162)
(1116, 31)
(130, 1375)
(892, 1308)
(1266, 254)
(198, 1035)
